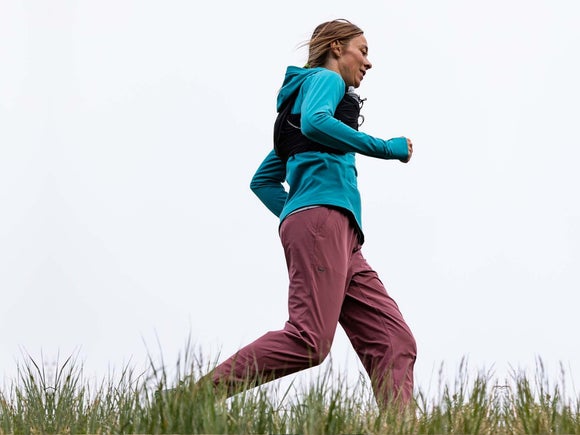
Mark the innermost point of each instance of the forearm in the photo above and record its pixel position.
(267, 183)
(331, 132)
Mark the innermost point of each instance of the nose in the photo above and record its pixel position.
(368, 64)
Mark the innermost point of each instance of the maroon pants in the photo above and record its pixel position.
(330, 283)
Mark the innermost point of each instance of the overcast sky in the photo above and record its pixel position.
(130, 130)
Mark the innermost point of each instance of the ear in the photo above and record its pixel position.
(336, 48)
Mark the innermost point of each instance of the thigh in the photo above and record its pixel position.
(316, 244)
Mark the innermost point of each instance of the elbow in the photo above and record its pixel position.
(254, 185)
(258, 184)
(309, 127)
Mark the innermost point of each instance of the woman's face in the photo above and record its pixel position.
(353, 62)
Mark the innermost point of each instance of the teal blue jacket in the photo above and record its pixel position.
(318, 178)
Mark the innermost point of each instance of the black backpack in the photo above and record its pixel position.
(288, 137)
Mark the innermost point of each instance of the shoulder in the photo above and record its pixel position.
(323, 88)
(327, 77)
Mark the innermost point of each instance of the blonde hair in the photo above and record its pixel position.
(340, 30)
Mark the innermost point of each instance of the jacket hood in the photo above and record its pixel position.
(293, 79)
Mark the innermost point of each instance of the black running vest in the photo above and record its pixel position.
(288, 138)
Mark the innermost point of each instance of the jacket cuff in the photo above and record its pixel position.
(397, 148)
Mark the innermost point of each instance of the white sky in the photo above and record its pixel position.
(130, 130)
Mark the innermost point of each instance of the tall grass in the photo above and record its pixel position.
(61, 400)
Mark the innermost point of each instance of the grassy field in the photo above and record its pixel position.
(63, 402)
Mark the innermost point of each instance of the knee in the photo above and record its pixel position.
(317, 357)
(311, 347)
(318, 350)
(408, 347)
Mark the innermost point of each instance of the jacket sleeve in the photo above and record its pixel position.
(321, 94)
(267, 183)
